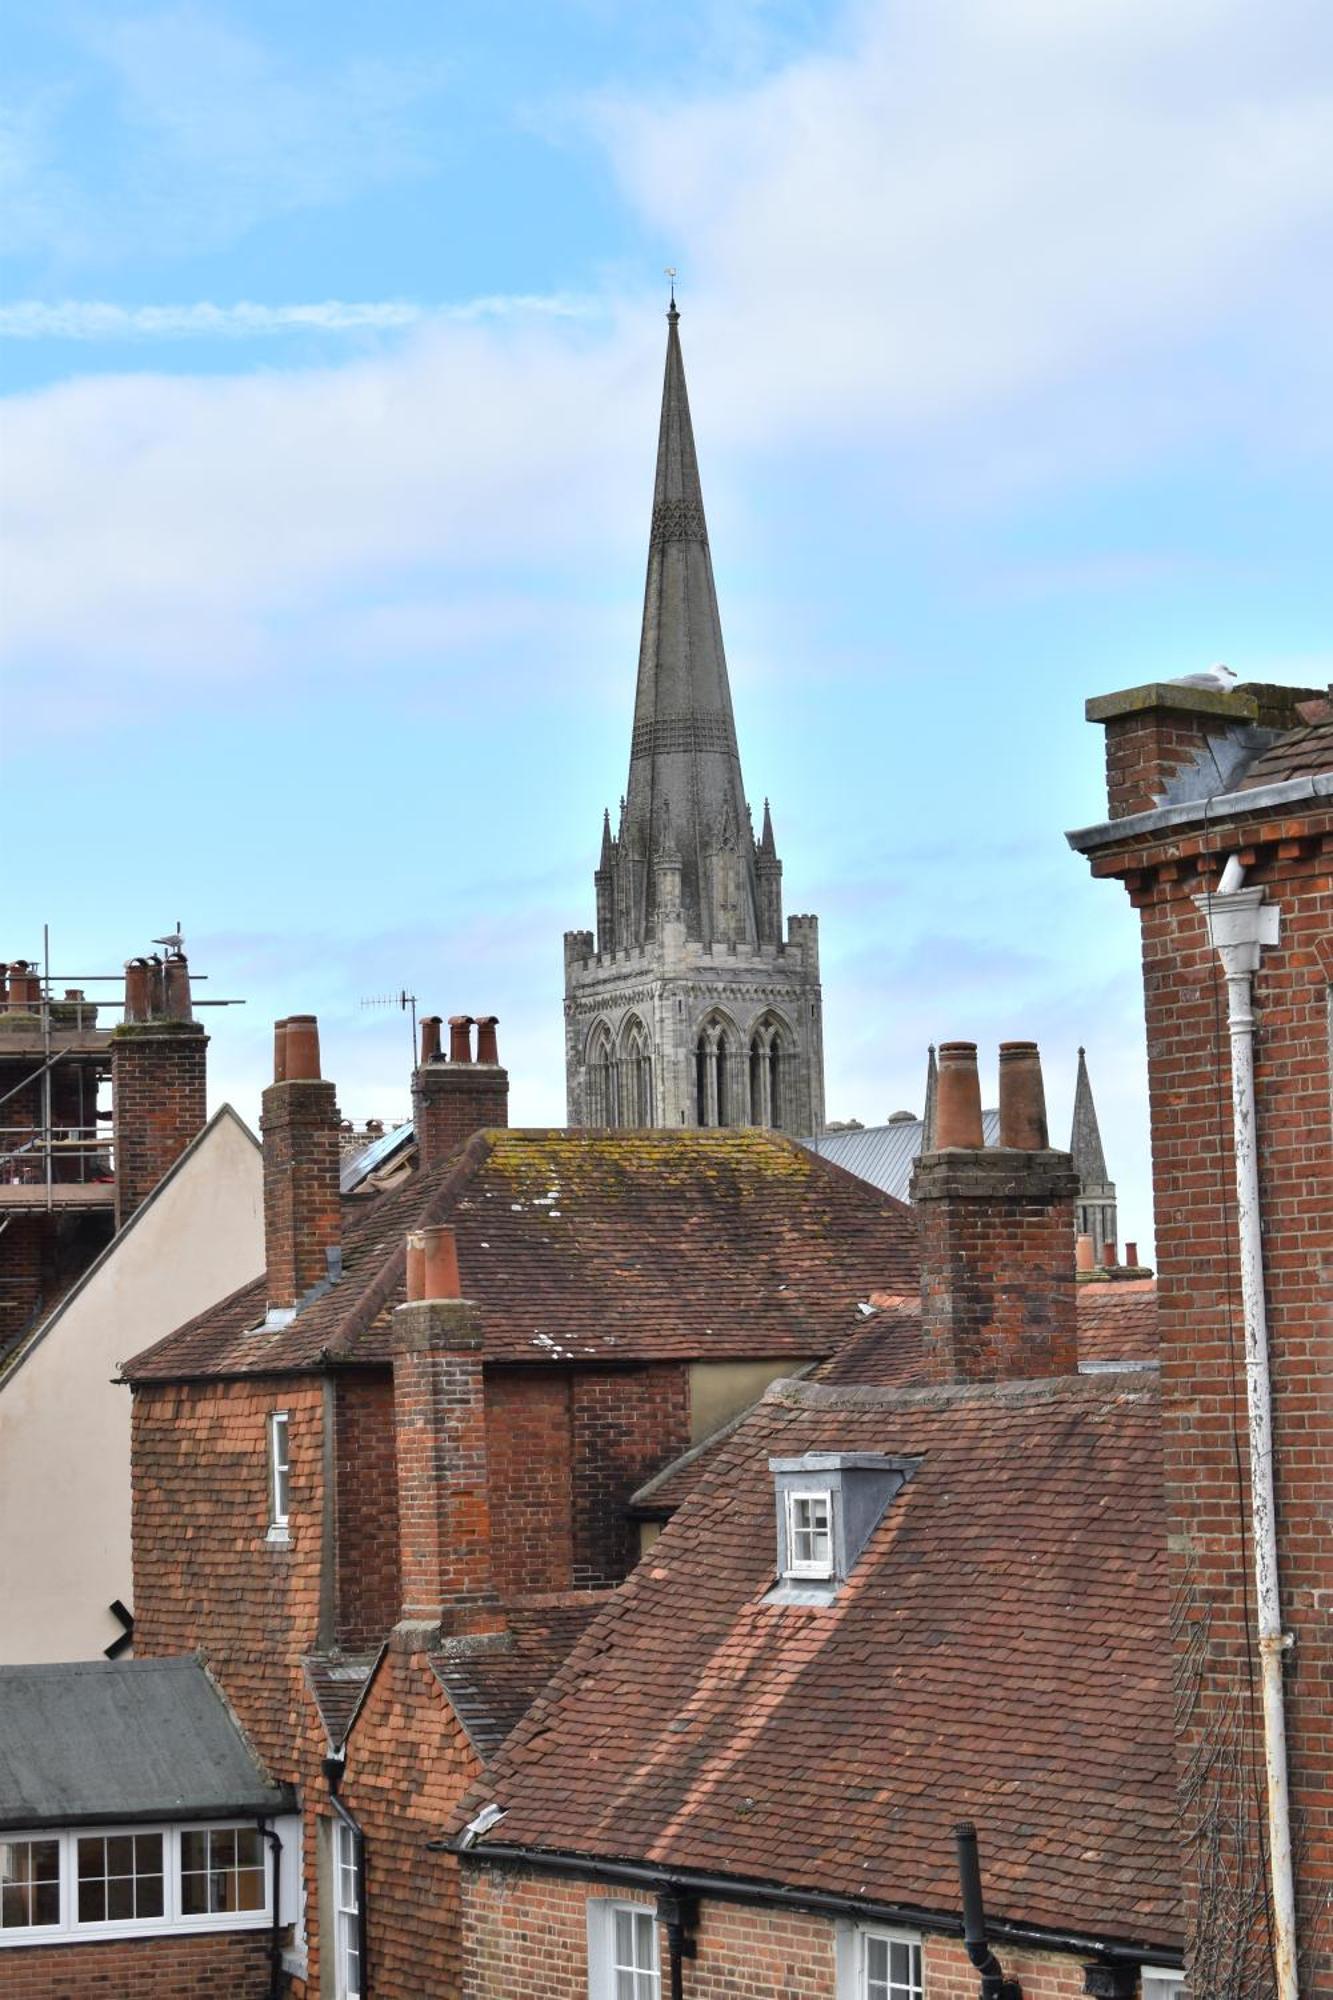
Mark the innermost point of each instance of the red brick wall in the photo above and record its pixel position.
(408, 1765)
(1199, 1299)
(211, 1967)
(159, 1104)
(528, 1452)
(526, 1938)
(451, 1101)
(1144, 752)
(302, 1209)
(205, 1576)
(440, 1440)
(368, 1586)
(626, 1424)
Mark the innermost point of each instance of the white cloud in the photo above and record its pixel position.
(98, 319)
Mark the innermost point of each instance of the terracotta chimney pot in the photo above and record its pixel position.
(460, 1038)
(280, 1051)
(137, 995)
(1132, 1256)
(302, 1049)
(958, 1102)
(1108, 1256)
(440, 1278)
(416, 1267)
(430, 1038)
(1022, 1098)
(487, 1047)
(1084, 1258)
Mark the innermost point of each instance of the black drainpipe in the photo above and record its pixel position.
(679, 1914)
(333, 1771)
(994, 1985)
(270, 1834)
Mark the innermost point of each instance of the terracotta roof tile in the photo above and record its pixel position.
(593, 1246)
(1299, 754)
(492, 1685)
(1000, 1652)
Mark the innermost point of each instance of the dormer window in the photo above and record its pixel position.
(810, 1534)
(828, 1506)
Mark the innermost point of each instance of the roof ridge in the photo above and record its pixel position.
(794, 1394)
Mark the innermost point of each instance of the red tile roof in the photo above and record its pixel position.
(493, 1683)
(1000, 1652)
(1302, 753)
(593, 1246)
(1117, 1321)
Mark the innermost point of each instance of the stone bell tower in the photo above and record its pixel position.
(691, 1006)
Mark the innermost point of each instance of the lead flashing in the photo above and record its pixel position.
(1206, 812)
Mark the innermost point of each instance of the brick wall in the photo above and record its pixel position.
(212, 1967)
(205, 1576)
(451, 1101)
(526, 1938)
(626, 1424)
(1200, 1317)
(159, 1103)
(302, 1210)
(528, 1451)
(368, 1581)
(408, 1765)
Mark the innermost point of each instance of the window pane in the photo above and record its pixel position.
(625, 1940)
(643, 1943)
(92, 1902)
(194, 1852)
(120, 1854)
(29, 1883)
(194, 1895)
(119, 1899)
(148, 1896)
(250, 1886)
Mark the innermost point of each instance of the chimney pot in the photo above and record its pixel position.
(176, 988)
(1022, 1098)
(1132, 1256)
(1108, 1256)
(138, 1003)
(430, 1038)
(439, 1249)
(416, 1267)
(302, 1049)
(460, 1038)
(280, 1051)
(958, 1102)
(1084, 1257)
(487, 1047)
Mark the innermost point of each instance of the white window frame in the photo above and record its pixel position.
(851, 1941)
(279, 1475)
(346, 1915)
(173, 1921)
(38, 1933)
(602, 1967)
(823, 1496)
(1163, 1982)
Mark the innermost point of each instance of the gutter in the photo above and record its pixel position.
(1240, 923)
(1260, 798)
(735, 1889)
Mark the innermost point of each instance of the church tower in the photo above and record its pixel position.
(690, 1006)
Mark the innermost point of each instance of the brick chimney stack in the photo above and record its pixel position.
(299, 1121)
(158, 1078)
(440, 1445)
(453, 1096)
(997, 1229)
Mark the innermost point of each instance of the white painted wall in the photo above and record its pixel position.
(65, 1422)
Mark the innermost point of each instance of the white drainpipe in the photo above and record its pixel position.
(1239, 924)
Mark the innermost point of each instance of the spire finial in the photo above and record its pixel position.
(670, 272)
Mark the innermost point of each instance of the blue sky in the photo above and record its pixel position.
(331, 341)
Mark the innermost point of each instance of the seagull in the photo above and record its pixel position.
(1218, 677)
(175, 941)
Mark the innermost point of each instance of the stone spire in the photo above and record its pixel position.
(684, 766)
(1096, 1200)
(932, 1093)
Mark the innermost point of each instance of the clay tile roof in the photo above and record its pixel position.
(1117, 1321)
(337, 1682)
(593, 1246)
(1299, 754)
(493, 1685)
(1000, 1652)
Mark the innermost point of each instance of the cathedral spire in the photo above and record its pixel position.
(1085, 1142)
(683, 751)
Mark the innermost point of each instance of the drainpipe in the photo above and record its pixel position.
(1240, 924)
(679, 1913)
(270, 1834)
(994, 1985)
(333, 1772)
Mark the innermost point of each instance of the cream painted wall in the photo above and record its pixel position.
(720, 1390)
(64, 1421)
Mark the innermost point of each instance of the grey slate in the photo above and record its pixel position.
(101, 1741)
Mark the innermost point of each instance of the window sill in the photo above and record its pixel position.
(148, 1927)
(278, 1538)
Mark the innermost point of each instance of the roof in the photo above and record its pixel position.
(1300, 754)
(1117, 1329)
(593, 1247)
(372, 1159)
(1000, 1652)
(337, 1682)
(492, 1683)
(125, 1740)
(884, 1155)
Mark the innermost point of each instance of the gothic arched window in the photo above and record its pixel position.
(714, 1054)
(770, 1069)
(636, 1074)
(601, 1072)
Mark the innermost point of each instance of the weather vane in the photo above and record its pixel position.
(670, 271)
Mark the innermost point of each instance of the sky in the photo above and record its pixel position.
(331, 340)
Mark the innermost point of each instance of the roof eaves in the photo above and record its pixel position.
(1208, 811)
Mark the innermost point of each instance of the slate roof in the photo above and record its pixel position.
(123, 1740)
(1302, 753)
(592, 1246)
(885, 1155)
(493, 1685)
(1001, 1652)
(1117, 1328)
